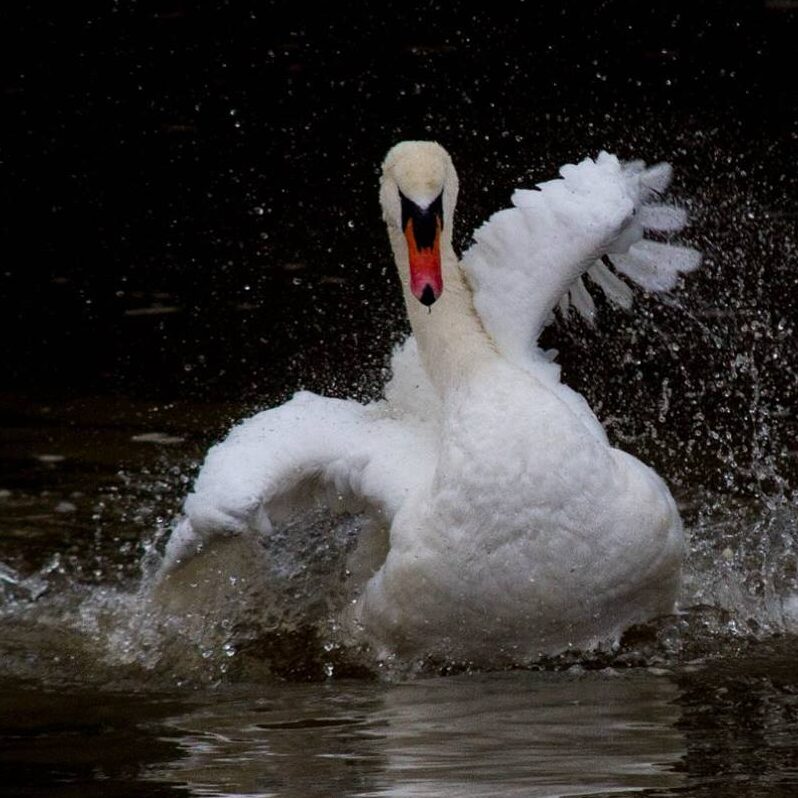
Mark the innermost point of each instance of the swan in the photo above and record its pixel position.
(502, 524)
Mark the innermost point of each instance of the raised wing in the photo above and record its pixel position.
(531, 258)
(309, 450)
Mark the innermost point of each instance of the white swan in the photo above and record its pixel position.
(504, 524)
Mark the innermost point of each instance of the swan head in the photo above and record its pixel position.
(418, 191)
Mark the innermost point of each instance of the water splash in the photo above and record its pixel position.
(702, 385)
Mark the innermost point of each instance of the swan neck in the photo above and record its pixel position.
(451, 340)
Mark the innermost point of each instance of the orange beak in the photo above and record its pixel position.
(426, 281)
(422, 229)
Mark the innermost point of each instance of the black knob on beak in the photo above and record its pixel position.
(427, 295)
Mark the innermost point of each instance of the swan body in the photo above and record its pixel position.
(503, 525)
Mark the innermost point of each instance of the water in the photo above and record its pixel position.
(105, 693)
(723, 729)
(182, 252)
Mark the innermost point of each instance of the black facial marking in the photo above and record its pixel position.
(424, 219)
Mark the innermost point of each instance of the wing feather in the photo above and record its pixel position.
(309, 450)
(615, 289)
(656, 266)
(582, 301)
(531, 258)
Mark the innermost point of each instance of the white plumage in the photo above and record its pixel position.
(503, 524)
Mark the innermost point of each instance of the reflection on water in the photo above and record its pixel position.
(725, 729)
(513, 734)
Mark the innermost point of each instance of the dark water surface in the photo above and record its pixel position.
(191, 232)
(726, 729)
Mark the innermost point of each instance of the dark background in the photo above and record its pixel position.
(190, 190)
